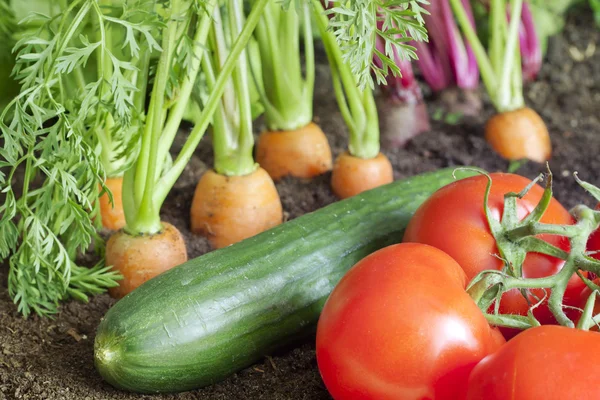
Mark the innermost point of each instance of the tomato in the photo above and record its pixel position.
(454, 221)
(583, 298)
(547, 362)
(400, 325)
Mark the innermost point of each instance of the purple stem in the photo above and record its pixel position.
(531, 52)
(447, 59)
(462, 57)
(434, 55)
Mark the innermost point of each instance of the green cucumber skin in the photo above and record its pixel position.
(216, 314)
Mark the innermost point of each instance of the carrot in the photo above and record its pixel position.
(519, 134)
(363, 166)
(303, 153)
(353, 175)
(516, 131)
(237, 199)
(230, 209)
(141, 258)
(113, 216)
(147, 246)
(292, 144)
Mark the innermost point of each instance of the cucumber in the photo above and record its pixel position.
(204, 320)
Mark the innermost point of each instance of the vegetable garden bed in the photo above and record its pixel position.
(53, 359)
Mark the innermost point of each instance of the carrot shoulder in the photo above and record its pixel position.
(353, 175)
(303, 153)
(228, 209)
(113, 216)
(140, 258)
(519, 134)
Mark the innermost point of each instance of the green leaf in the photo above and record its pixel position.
(49, 132)
(356, 24)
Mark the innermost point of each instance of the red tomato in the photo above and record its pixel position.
(585, 295)
(453, 220)
(400, 325)
(547, 362)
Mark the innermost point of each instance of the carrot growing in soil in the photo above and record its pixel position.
(53, 133)
(237, 199)
(292, 144)
(114, 140)
(106, 135)
(148, 246)
(516, 131)
(363, 166)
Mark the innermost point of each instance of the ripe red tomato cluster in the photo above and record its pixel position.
(400, 324)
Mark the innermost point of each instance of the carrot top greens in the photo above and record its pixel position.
(52, 130)
(355, 27)
(86, 69)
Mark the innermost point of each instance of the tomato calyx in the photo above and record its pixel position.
(515, 238)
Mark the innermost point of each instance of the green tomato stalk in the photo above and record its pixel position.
(516, 238)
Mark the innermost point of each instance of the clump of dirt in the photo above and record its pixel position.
(52, 359)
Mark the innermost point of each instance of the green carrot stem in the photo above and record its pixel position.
(357, 106)
(245, 138)
(508, 100)
(370, 146)
(497, 37)
(276, 84)
(147, 220)
(485, 66)
(232, 134)
(288, 95)
(128, 198)
(108, 153)
(342, 103)
(79, 78)
(139, 97)
(168, 180)
(177, 112)
(225, 124)
(74, 25)
(141, 164)
(289, 30)
(516, 82)
(266, 84)
(309, 60)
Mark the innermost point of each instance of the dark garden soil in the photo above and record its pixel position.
(52, 359)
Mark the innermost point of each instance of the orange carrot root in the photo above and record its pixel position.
(352, 175)
(519, 134)
(303, 153)
(112, 214)
(141, 258)
(229, 209)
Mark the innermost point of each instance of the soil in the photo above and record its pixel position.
(52, 359)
